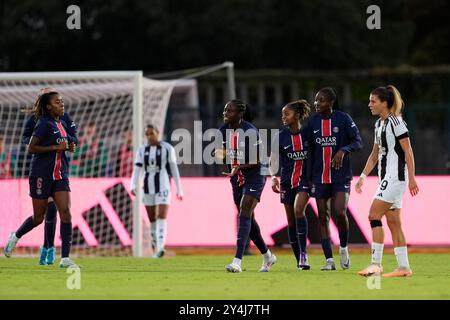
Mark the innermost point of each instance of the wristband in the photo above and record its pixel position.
(362, 176)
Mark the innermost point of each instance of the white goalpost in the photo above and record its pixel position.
(109, 108)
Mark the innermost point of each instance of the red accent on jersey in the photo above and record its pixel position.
(326, 132)
(297, 145)
(234, 145)
(57, 168)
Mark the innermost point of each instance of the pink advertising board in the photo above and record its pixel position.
(207, 215)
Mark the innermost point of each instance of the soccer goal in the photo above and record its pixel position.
(110, 110)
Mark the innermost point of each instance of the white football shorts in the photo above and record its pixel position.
(153, 199)
(391, 191)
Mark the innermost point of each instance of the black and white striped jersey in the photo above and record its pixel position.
(158, 161)
(391, 157)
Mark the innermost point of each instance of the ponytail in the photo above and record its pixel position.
(392, 96)
(398, 104)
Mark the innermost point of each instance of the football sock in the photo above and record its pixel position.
(255, 236)
(66, 239)
(50, 225)
(153, 234)
(161, 233)
(401, 253)
(377, 253)
(343, 237)
(26, 227)
(302, 228)
(245, 224)
(293, 241)
(326, 247)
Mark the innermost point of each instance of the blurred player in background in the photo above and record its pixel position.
(392, 150)
(293, 185)
(49, 172)
(47, 253)
(246, 180)
(158, 160)
(333, 136)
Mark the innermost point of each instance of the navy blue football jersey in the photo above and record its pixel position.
(242, 147)
(50, 165)
(328, 135)
(293, 153)
(71, 131)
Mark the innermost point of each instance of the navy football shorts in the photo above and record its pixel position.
(325, 191)
(287, 194)
(41, 188)
(254, 189)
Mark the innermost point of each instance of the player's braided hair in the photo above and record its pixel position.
(331, 95)
(40, 106)
(241, 105)
(300, 106)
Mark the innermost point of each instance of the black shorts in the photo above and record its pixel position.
(41, 188)
(325, 191)
(254, 189)
(287, 194)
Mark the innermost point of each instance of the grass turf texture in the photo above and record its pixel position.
(204, 277)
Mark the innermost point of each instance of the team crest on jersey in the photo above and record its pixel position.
(335, 129)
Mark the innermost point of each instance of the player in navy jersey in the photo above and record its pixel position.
(294, 188)
(47, 252)
(393, 153)
(240, 148)
(49, 173)
(333, 136)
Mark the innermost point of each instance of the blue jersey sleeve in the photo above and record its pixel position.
(72, 131)
(352, 132)
(41, 129)
(28, 131)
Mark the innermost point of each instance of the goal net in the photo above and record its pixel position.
(110, 110)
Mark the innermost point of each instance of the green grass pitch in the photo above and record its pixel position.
(203, 277)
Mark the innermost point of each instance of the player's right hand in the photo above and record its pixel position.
(72, 147)
(219, 154)
(275, 185)
(358, 185)
(63, 146)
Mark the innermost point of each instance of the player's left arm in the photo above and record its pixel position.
(72, 130)
(28, 131)
(174, 169)
(274, 163)
(352, 133)
(409, 157)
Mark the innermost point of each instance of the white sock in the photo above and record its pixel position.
(267, 255)
(161, 233)
(153, 232)
(401, 253)
(237, 261)
(330, 259)
(377, 252)
(343, 249)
